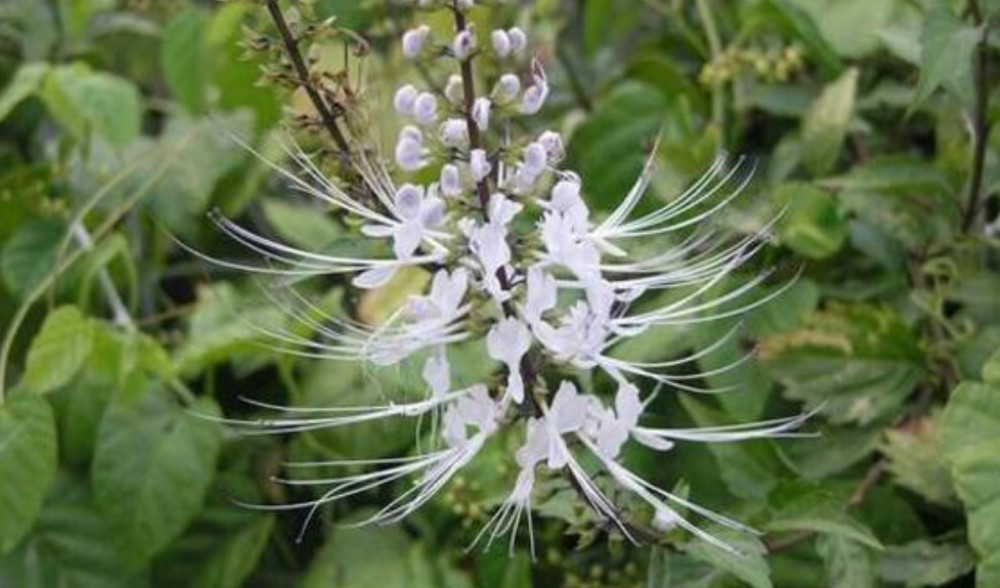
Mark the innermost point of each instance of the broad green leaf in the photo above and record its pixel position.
(825, 125)
(922, 563)
(371, 556)
(27, 463)
(991, 369)
(25, 82)
(153, 465)
(858, 362)
(970, 429)
(610, 146)
(305, 226)
(185, 58)
(58, 351)
(79, 407)
(946, 46)
(76, 15)
(669, 569)
(917, 462)
(814, 227)
(223, 545)
(749, 564)
(604, 23)
(29, 255)
(832, 451)
(848, 564)
(224, 327)
(69, 547)
(750, 470)
(853, 27)
(85, 101)
(807, 508)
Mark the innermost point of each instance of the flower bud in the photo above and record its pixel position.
(553, 144)
(501, 43)
(454, 90)
(565, 195)
(413, 41)
(479, 165)
(425, 108)
(534, 98)
(408, 199)
(410, 149)
(506, 88)
(518, 40)
(464, 43)
(451, 184)
(404, 99)
(481, 113)
(534, 159)
(455, 132)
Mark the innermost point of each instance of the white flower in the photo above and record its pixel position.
(479, 165)
(501, 43)
(544, 442)
(419, 213)
(425, 108)
(413, 41)
(481, 113)
(454, 132)
(464, 44)
(534, 95)
(507, 342)
(534, 159)
(437, 372)
(475, 410)
(451, 183)
(541, 294)
(443, 304)
(566, 201)
(404, 100)
(506, 89)
(410, 149)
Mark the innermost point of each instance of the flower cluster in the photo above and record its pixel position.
(516, 254)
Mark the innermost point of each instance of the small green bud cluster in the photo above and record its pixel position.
(773, 65)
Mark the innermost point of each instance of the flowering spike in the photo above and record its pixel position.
(517, 254)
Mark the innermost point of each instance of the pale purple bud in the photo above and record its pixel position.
(481, 113)
(506, 88)
(404, 99)
(553, 144)
(501, 43)
(479, 165)
(464, 43)
(410, 149)
(534, 98)
(518, 40)
(408, 199)
(455, 132)
(425, 108)
(451, 184)
(535, 158)
(454, 90)
(565, 195)
(413, 41)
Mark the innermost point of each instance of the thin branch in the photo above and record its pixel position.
(327, 116)
(980, 119)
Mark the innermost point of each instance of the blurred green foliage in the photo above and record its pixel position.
(871, 125)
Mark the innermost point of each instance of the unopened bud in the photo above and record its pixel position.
(479, 165)
(404, 100)
(455, 132)
(413, 41)
(425, 108)
(501, 43)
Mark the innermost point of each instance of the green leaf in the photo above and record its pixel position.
(946, 46)
(970, 428)
(27, 463)
(858, 362)
(609, 148)
(185, 58)
(360, 557)
(221, 548)
(853, 27)
(814, 226)
(153, 465)
(70, 546)
(25, 82)
(85, 101)
(917, 462)
(305, 226)
(922, 563)
(604, 23)
(748, 564)
(848, 564)
(810, 508)
(825, 125)
(29, 255)
(58, 351)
